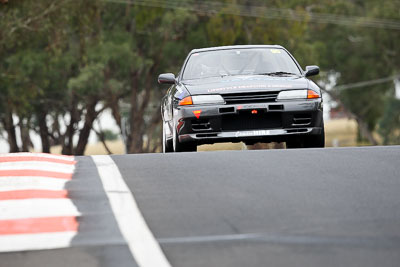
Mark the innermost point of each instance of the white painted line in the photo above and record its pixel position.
(10, 183)
(35, 208)
(37, 165)
(23, 242)
(141, 242)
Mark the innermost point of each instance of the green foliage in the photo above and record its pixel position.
(224, 29)
(61, 57)
(390, 122)
(89, 82)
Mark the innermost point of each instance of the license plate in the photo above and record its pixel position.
(252, 133)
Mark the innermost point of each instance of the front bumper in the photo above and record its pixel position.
(260, 122)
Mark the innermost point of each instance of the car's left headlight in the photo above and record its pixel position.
(297, 94)
(207, 99)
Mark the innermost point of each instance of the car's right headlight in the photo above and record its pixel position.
(297, 94)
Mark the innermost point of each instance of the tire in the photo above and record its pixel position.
(297, 143)
(308, 141)
(182, 147)
(167, 144)
(316, 140)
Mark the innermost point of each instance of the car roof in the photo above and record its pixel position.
(233, 47)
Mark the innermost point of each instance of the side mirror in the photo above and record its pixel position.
(166, 78)
(312, 70)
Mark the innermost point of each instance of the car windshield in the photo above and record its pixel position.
(253, 61)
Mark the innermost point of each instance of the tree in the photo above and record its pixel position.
(64, 62)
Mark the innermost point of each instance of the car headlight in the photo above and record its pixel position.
(297, 94)
(202, 100)
(207, 99)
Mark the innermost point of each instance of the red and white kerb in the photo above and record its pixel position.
(35, 210)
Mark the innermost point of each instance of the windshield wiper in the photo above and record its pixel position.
(277, 73)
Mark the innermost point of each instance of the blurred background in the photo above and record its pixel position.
(80, 77)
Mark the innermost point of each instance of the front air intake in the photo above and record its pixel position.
(201, 125)
(302, 120)
(252, 97)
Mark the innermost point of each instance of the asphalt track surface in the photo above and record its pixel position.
(303, 207)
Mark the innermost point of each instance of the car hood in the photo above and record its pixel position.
(242, 84)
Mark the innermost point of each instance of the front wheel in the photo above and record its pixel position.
(308, 141)
(294, 144)
(182, 147)
(167, 144)
(316, 140)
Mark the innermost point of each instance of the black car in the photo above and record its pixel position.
(249, 93)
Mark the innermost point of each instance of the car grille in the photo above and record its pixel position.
(248, 121)
(257, 97)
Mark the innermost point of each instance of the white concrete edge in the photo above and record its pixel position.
(40, 155)
(37, 165)
(31, 183)
(23, 242)
(36, 208)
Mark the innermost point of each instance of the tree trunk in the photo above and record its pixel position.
(135, 138)
(365, 131)
(8, 122)
(69, 135)
(361, 123)
(90, 116)
(24, 133)
(100, 135)
(151, 133)
(116, 113)
(44, 132)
